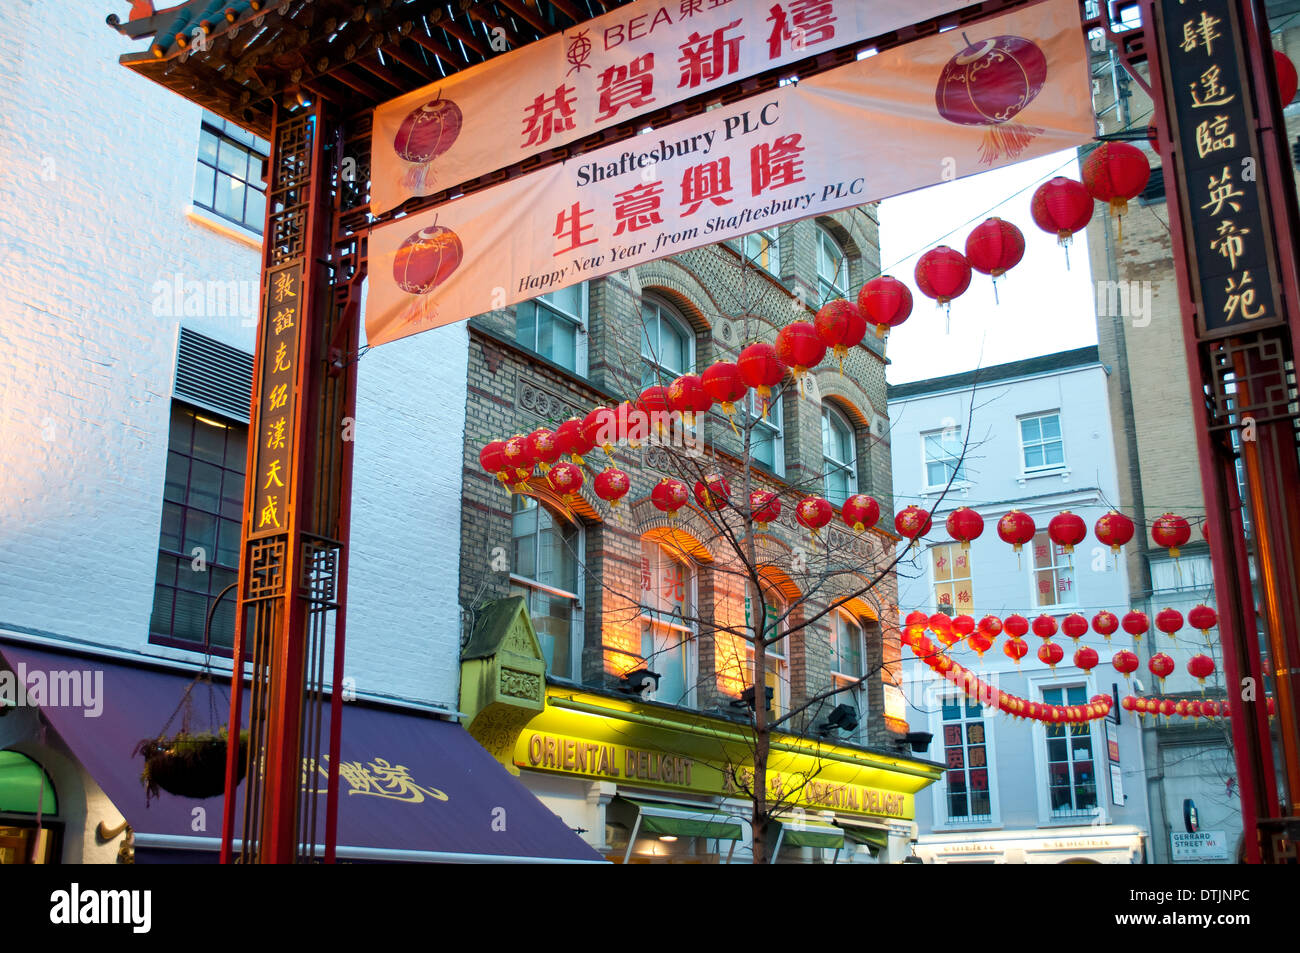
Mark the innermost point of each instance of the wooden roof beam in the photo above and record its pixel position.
(529, 15)
(462, 32)
(490, 20)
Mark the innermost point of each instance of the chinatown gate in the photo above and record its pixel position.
(308, 75)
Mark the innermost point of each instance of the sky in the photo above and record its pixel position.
(1042, 307)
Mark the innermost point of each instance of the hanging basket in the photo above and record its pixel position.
(190, 766)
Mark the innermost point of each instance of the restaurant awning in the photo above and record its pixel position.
(413, 788)
(806, 833)
(684, 820)
(875, 838)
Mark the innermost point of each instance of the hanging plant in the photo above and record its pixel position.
(189, 765)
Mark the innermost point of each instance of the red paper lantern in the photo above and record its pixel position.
(963, 624)
(964, 525)
(1015, 649)
(571, 439)
(1105, 624)
(1161, 666)
(912, 523)
(1050, 653)
(765, 507)
(1113, 530)
(1116, 172)
(942, 273)
(1061, 206)
(941, 625)
(914, 628)
(1171, 531)
(860, 512)
(761, 369)
(813, 513)
(1125, 662)
(713, 492)
(1067, 529)
(1015, 626)
(493, 459)
(1135, 624)
(1086, 658)
(723, 383)
(633, 423)
(987, 84)
(840, 326)
(612, 485)
(1200, 667)
(654, 404)
(519, 452)
(1204, 618)
(1169, 621)
(600, 427)
(1075, 626)
(991, 626)
(1016, 528)
(994, 246)
(799, 347)
(1166, 707)
(687, 396)
(1129, 703)
(1210, 709)
(885, 302)
(979, 642)
(565, 479)
(1285, 74)
(544, 449)
(1045, 626)
(669, 495)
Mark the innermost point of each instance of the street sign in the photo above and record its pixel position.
(1201, 846)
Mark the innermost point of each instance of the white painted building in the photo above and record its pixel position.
(1038, 440)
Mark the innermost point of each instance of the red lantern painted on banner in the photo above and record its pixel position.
(860, 512)
(1105, 624)
(1016, 528)
(912, 523)
(1045, 627)
(812, 513)
(1015, 649)
(426, 259)
(545, 451)
(994, 247)
(1086, 658)
(1171, 531)
(612, 485)
(1113, 530)
(1075, 626)
(427, 132)
(761, 369)
(965, 525)
(1204, 618)
(713, 492)
(765, 507)
(987, 84)
(799, 348)
(1067, 530)
(1161, 666)
(1125, 662)
(601, 428)
(1015, 626)
(571, 439)
(1050, 653)
(669, 496)
(942, 273)
(1116, 172)
(1061, 206)
(1200, 667)
(687, 396)
(565, 479)
(1135, 624)
(885, 302)
(723, 383)
(1285, 74)
(1169, 621)
(840, 326)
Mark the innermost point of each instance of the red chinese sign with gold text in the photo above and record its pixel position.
(870, 129)
(633, 60)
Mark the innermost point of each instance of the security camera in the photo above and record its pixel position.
(1138, 686)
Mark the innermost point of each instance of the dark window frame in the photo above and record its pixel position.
(228, 138)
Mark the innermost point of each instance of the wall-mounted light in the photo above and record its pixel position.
(844, 717)
(638, 682)
(746, 699)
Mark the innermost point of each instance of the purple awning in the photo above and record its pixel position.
(412, 787)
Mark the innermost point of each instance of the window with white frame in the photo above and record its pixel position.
(832, 267)
(848, 666)
(965, 752)
(839, 455)
(1071, 771)
(667, 344)
(942, 451)
(553, 325)
(228, 180)
(767, 439)
(763, 249)
(1041, 445)
(1053, 573)
(954, 591)
(547, 572)
(777, 677)
(669, 640)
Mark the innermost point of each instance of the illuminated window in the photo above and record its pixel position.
(777, 677)
(953, 590)
(553, 324)
(228, 180)
(667, 345)
(1040, 442)
(839, 456)
(1071, 774)
(832, 267)
(668, 628)
(547, 572)
(1053, 574)
(848, 666)
(965, 752)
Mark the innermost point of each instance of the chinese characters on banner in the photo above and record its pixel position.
(852, 135)
(953, 592)
(636, 59)
(279, 371)
(1224, 201)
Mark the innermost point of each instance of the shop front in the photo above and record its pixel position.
(651, 783)
(1109, 844)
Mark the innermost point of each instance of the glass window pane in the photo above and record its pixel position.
(255, 211)
(177, 476)
(205, 486)
(207, 147)
(228, 543)
(526, 324)
(230, 197)
(1033, 456)
(232, 160)
(170, 537)
(1030, 430)
(1053, 454)
(1051, 426)
(160, 620)
(191, 613)
(569, 300)
(209, 442)
(236, 451)
(201, 531)
(204, 184)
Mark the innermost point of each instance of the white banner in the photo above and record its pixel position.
(634, 60)
(951, 105)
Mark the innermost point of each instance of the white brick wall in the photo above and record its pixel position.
(97, 167)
